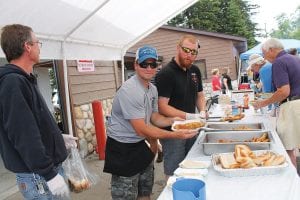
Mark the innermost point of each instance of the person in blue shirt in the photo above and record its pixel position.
(258, 64)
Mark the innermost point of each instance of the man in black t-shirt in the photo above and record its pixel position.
(180, 91)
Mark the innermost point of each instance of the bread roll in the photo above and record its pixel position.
(77, 186)
(280, 159)
(227, 160)
(84, 184)
(247, 163)
(235, 166)
(269, 161)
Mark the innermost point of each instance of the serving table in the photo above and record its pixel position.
(282, 186)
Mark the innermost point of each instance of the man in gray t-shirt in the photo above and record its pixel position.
(133, 101)
(134, 119)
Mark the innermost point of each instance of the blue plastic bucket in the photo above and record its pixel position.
(189, 189)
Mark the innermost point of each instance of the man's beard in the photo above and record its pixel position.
(185, 63)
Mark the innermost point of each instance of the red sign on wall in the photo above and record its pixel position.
(85, 66)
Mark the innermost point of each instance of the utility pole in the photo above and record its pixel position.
(266, 33)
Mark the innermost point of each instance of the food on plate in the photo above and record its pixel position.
(243, 157)
(189, 125)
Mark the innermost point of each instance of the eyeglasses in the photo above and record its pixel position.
(38, 42)
(188, 50)
(152, 65)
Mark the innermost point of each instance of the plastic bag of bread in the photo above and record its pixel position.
(80, 178)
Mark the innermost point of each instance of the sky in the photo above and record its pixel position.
(269, 9)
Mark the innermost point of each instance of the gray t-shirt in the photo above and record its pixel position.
(132, 101)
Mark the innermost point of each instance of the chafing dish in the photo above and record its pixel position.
(225, 141)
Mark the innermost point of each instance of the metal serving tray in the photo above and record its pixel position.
(225, 126)
(211, 144)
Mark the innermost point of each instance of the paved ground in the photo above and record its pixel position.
(101, 191)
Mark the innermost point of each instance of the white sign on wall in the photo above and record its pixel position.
(85, 66)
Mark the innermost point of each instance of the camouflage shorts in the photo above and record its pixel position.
(130, 188)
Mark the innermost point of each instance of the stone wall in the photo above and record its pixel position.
(85, 126)
(207, 90)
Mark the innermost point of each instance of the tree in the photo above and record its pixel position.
(222, 16)
(288, 26)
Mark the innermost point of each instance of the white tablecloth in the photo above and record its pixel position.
(282, 186)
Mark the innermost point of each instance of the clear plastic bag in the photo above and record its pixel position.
(80, 178)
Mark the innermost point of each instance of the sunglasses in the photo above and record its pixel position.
(188, 50)
(144, 65)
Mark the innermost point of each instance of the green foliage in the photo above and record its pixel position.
(288, 26)
(52, 78)
(222, 16)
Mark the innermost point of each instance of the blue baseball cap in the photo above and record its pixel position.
(146, 52)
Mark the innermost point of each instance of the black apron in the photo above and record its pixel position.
(126, 159)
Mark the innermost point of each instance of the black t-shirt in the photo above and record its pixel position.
(228, 82)
(180, 86)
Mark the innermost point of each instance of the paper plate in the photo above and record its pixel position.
(180, 125)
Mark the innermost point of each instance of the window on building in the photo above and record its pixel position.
(201, 64)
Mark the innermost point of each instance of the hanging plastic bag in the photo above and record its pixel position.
(79, 177)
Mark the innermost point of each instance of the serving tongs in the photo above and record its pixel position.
(214, 119)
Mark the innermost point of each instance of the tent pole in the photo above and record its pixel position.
(239, 72)
(123, 66)
(67, 94)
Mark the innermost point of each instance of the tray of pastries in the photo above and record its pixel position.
(245, 162)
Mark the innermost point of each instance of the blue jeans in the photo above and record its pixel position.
(33, 186)
(175, 150)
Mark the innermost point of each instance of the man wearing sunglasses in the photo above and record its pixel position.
(134, 119)
(180, 91)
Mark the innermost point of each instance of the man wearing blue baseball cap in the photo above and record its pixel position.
(134, 119)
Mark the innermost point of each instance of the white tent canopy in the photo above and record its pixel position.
(90, 29)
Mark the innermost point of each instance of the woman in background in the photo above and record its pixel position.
(215, 82)
(226, 81)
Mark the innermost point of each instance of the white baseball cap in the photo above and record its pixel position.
(254, 59)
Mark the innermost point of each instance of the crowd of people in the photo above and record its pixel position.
(33, 147)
